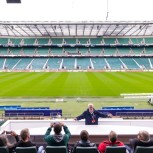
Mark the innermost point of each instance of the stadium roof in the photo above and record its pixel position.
(76, 29)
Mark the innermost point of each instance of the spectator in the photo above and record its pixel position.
(5, 142)
(84, 142)
(57, 139)
(25, 141)
(143, 139)
(111, 142)
(91, 115)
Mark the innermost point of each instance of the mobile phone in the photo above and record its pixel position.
(8, 132)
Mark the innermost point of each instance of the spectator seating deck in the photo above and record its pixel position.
(33, 112)
(118, 107)
(129, 112)
(129, 115)
(10, 107)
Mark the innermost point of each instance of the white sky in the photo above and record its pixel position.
(77, 10)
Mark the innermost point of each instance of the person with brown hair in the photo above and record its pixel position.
(57, 139)
(84, 141)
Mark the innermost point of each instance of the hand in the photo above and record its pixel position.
(62, 124)
(110, 115)
(3, 132)
(13, 133)
(52, 124)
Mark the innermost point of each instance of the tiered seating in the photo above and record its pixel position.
(42, 41)
(123, 41)
(109, 51)
(16, 51)
(3, 51)
(69, 63)
(127, 112)
(9, 107)
(32, 112)
(29, 51)
(83, 51)
(11, 63)
(134, 40)
(1, 63)
(65, 47)
(70, 40)
(3, 41)
(138, 51)
(84, 40)
(71, 51)
(144, 62)
(23, 64)
(15, 41)
(95, 51)
(124, 51)
(129, 62)
(118, 107)
(57, 51)
(109, 41)
(98, 63)
(83, 63)
(38, 63)
(54, 63)
(149, 51)
(149, 40)
(114, 63)
(57, 40)
(29, 41)
(44, 51)
(95, 40)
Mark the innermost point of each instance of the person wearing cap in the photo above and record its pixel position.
(91, 115)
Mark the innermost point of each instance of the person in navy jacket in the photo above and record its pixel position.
(91, 115)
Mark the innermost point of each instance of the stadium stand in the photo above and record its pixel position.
(129, 113)
(84, 53)
(32, 112)
(7, 107)
(118, 107)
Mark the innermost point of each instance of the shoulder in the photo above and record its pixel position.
(120, 143)
(106, 142)
(92, 144)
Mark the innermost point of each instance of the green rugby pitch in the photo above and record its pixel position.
(74, 84)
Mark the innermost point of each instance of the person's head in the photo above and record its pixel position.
(25, 134)
(57, 128)
(84, 135)
(91, 107)
(112, 136)
(3, 140)
(143, 136)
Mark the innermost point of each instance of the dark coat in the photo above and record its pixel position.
(82, 144)
(91, 119)
(136, 142)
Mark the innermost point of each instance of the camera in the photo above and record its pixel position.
(8, 132)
